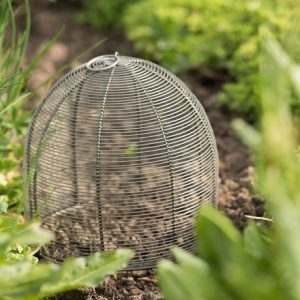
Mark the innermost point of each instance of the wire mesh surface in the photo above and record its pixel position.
(119, 154)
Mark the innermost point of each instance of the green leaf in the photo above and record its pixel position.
(31, 234)
(247, 133)
(192, 279)
(170, 280)
(87, 271)
(20, 234)
(3, 205)
(257, 240)
(24, 280)
(15, 102)
(211, 224)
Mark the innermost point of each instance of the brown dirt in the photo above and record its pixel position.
(236, 197)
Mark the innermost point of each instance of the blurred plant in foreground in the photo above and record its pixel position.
(263, 262)
(103, 14)
(22, 278)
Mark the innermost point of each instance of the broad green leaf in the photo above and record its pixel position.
(23, 280)
(21, 234)
(87, 271)
(190, 272)
(257, 240)
(31, 234)
(212, 224)
(170, 279)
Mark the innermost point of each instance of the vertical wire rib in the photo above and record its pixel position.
(29, 136)
(98, 161)
(139, 140)
(162, 130)
(31, 189)
(73, 142)
(27, 179)
(180, 87)
(45, 129)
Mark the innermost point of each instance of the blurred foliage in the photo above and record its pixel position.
(184, 34)
(13, 120)
(102, 14)
(23, 278)
(13, 93)
(230, 265)
(263, 262)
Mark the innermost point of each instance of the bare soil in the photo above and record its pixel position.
(236, 196)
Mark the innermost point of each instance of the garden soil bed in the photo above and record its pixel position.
(236, 197)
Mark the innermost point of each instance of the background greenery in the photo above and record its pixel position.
(103, 14)
(205, 35)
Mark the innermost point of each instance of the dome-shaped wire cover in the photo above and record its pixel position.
(119, 154)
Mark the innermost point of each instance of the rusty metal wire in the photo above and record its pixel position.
(120, 153)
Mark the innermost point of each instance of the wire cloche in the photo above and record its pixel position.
(119, 154)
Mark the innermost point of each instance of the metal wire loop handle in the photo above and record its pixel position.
(103, 62)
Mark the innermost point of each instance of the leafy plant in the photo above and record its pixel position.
(184, 34)
(22, 278)
(103, 14)
(264, 262)
(13, 93)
